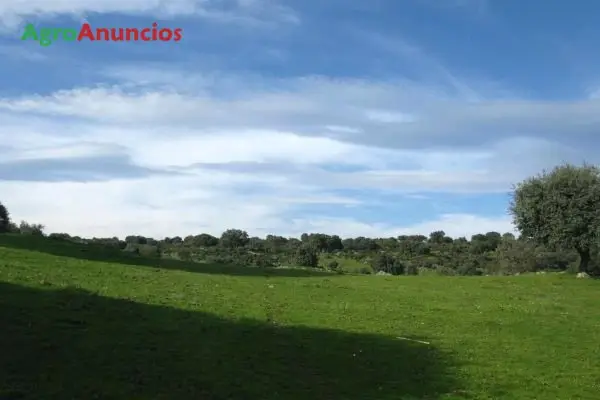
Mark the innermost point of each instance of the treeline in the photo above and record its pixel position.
(556, 212)
(490, 253)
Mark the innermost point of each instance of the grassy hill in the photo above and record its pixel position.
(75, 326)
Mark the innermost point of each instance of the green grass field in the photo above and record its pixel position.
(74, 327)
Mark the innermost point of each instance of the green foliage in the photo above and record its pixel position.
(333, 265)
(564, 196)
(234, 239)
(206, 240)
(4, 219)
(306, 256)
(59, 236)
(387, 263)
(132, 248)
(147, 250)
(25, 228)
(184, 254)
(560, 209)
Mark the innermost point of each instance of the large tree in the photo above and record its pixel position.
(4, 219)
(561, 208)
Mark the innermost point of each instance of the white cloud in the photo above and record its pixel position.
(14, 12)
(307, 106)
(266, 141)
(168, 206)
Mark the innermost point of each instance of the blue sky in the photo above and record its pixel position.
(374, 118)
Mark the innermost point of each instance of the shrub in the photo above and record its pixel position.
(387, 263)
(147, 250)
(333, 265)
(184, 255)
(307, 257)
(25, 228)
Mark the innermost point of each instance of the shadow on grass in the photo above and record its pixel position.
(98, 252)
(72, 344)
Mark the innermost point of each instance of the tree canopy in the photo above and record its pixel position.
(560, 208)
(4, 219)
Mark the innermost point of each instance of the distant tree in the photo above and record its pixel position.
(275, 244)
(148, 250)
(135, 239)
(561, 209)
(387, 263)
(256, 244)
(4, 219)
(508, 236)
(132, 248)
(514, 256)
(59, 236)
(439, 237)
(306, 256)
(204, 240)
(483, 243)
(234, 238)
(25, 228)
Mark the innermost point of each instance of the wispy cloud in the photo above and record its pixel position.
(13, 12)
(19, 53)
(164, 141)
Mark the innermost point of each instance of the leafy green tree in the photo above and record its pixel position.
(439, 237)
(306, 256)
(234, 238)
(4, 219)
(25, 228)
(387, 263)
(204, 240)
(514, 256)
(148, 250)
(133, 239)
(561, 209)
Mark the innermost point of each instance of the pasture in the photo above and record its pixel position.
(73, 325)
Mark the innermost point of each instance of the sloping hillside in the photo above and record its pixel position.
(73, 326)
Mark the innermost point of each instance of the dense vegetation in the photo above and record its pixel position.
(557, 213)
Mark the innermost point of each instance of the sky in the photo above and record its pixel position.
(359, 118)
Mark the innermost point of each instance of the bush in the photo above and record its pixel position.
(184, 255)
(307, 257)
(411, 269)
(26, 228)
(131, 248)
(365, 270)
(263, 261)
(333, 265)
(147, 250)
(387, 263)
(514, 256)
(59, 236)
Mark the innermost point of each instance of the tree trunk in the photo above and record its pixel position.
(584, 259)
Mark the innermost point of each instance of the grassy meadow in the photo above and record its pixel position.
(80, 324)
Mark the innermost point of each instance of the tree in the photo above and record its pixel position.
(234, 238)
(306, 256)
(4, 219)
(387, 263)
(560, 209)
(25, 228)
